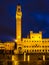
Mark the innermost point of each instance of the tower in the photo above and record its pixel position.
(18, 25)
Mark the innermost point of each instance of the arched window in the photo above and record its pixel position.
(35, 50)
(42, 46)
(32, 50)
(43, 50)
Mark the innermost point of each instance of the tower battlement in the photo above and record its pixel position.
(18, 12)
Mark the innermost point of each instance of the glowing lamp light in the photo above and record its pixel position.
(15, 40)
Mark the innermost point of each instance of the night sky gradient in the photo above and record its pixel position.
(35, 18)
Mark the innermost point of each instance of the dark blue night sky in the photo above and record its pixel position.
(35, 17)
